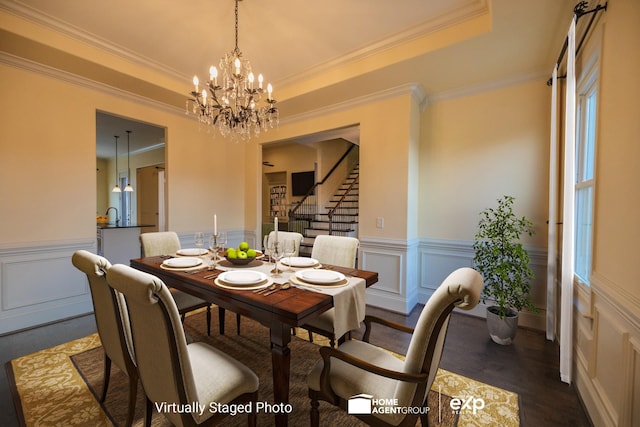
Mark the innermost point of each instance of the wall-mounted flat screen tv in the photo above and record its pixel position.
(302, 182)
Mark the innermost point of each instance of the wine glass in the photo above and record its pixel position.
(265, 245)
(199, 239)
(221, 241)
(289, 250)
(217, 243)
(276, 252)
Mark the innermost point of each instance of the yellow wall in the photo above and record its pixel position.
(477, 148)
(617, 210)
(49, 151)
(103, 178)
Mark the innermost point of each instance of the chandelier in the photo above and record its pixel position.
(231, 103)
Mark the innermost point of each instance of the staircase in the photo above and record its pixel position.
(339, 216)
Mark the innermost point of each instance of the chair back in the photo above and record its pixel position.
(460, 289)
(159, 243)
(335, 250)
(158, 337)
(282, 236)
(110, 309)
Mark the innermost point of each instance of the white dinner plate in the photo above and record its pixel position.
(183, 262)
(264, 284)
(320, 277)
(303, 284)
(299, 261)
(192, 252)
(242, 277)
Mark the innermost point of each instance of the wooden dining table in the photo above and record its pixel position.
(279, 311)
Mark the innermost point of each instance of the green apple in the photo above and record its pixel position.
(242, 255)
(244, 246)
(231, 253)
(251, 253)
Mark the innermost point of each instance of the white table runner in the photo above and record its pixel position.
(348, 301)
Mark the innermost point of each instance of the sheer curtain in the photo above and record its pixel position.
(568, 197)
(552, 238)
(566, 303)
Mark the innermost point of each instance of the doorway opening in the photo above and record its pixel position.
(145, 148)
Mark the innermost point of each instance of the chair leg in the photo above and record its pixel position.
(221, 320)
(107, 376)
(209, 320)
(252, 420)
(238, 323)
(424, 420)
(314, 413)
(310, 336)
(147, 413)
(133, 392)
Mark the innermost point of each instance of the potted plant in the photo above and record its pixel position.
(504, 264)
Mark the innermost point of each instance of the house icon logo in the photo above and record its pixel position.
(359, 404)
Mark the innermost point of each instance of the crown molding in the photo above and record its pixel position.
(415, 90)
(461, 14)
(488, 86)
(36, 67)
(52, 23)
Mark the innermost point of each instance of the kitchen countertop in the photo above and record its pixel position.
(109, 225)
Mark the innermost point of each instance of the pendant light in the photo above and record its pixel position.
(128, 188)
(116, 188)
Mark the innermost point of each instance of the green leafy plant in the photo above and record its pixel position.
(502, 259)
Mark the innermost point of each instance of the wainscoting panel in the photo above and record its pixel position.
(38, 284)
(438, 258)
(608, 355)
(394, 261)
(633, 384)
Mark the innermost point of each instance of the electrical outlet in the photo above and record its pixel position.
(380, 222)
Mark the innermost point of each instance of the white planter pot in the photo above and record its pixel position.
(502, 330)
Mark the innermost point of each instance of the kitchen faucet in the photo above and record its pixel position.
(116, 209)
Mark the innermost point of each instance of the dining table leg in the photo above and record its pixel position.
(221, 315)
(281, 364)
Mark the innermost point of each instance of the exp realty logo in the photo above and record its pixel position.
(469, 403)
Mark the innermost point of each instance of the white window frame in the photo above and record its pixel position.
(585, 172)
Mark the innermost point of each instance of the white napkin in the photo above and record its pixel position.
(348, 305)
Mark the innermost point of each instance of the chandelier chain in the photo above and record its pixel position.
(237, 50)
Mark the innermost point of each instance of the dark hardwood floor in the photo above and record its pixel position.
(529, 367)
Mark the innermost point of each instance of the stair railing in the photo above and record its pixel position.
(306, 209)
(338, 206)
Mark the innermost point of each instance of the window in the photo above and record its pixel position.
(585, 174)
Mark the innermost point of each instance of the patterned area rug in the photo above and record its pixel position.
(60, 385)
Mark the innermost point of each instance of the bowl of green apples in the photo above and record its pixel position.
(241, 255)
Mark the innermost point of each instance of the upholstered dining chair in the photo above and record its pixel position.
(112, 322)
(333, 250)
(170, 369)
(168, 243)
(358, 367)
(282, 236)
